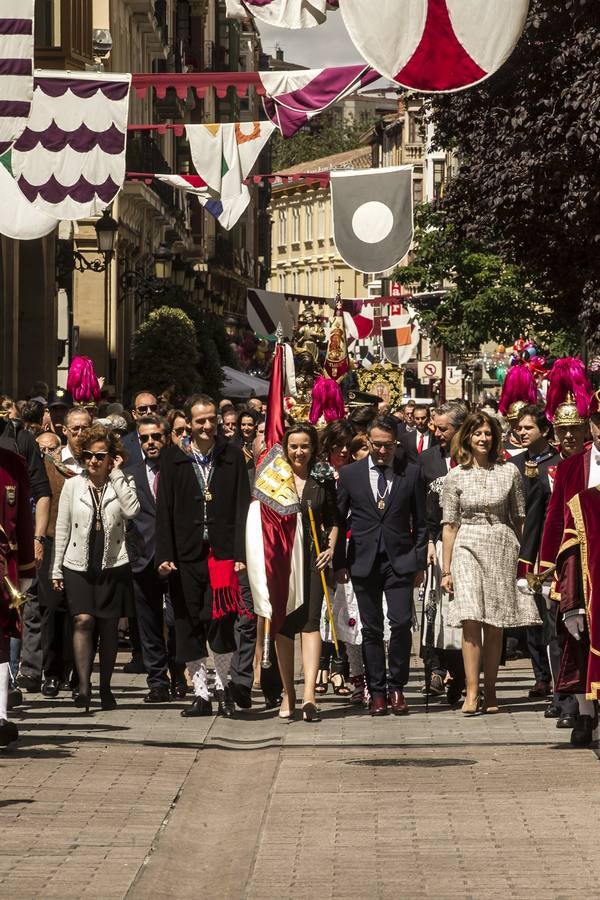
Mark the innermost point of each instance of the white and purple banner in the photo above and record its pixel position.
(282, 13)
(296, 96)
(16, 68)
(70, 160)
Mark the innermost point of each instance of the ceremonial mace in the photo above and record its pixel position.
(315, 538)
(17, 598)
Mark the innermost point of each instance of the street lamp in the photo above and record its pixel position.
(179, 268)
(163, 262)
(106, 233)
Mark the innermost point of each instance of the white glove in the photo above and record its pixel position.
(523, 587)
(575, 624)
(25, 584)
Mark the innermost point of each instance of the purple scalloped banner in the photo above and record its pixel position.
(82, 87)
(82, 191)
(83, 139)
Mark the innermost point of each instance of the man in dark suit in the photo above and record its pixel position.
(144, 404)
(386, 553)
(147, 585)
(421, 439)
(203, 501)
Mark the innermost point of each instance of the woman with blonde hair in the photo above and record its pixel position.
(91, 562)
(483, 514)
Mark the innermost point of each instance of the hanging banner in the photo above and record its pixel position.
(19, 219)
(16, 68)
(281, 13)
(70, 160)
(435, 45)
(400, 339)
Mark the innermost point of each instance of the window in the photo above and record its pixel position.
(295, 225)
(309, 224)
(294, 282)
(415, 123)
(321, 220)
(320, 289)
(417, 191)
(282, 228)
(281, 283)
(308, 282)
(439, 178)
(47, 24)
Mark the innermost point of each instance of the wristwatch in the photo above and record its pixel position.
(40, 538)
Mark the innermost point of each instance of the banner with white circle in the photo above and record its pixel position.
(372, 216)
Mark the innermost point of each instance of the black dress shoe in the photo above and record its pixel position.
(179, 691)
(241, 695)
(51, 687)
(199, 707)
(107, 700)
(540, 689)
(8, 733)
(453, 694)
(226, 707)
(158, 695)
(581, 736)
(552, 711)
(567, 721)
(134, 667)
(28, 683)
(378, 705)
(273, 702)
(15, 698)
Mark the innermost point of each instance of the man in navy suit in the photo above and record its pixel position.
(385, 496)
(148, 587)
(144, 404)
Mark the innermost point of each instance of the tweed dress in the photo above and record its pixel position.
(486, 504)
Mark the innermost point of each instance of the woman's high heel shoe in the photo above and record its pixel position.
(310, 713)
(322, 681)
(339, 685)
(471, 707)
(290, 712)
(82, 701)
(107, 700)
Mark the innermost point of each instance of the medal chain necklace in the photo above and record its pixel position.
(206, 471)
(97, 498)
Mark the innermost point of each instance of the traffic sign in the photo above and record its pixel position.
(431, 369)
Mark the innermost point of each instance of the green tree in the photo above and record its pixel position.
(323, 137)
(164, 353)
(485, 299)
(529, 184)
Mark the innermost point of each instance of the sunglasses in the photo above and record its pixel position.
(151, 407)
(182, 430)
(155, 435)
(100, 455)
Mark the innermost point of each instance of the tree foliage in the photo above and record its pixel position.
(486, 299)
(529, 139)
(325, 136)
(164, 353)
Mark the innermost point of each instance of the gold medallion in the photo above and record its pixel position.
(11, 494)
(207, 496)
(531, 469)
(381, 504)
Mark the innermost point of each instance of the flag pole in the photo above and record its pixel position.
(315, 538)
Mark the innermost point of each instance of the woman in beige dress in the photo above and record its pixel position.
(483, 514)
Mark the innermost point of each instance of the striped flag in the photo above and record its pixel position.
(191, 184)
(16, 68)
(400, 339)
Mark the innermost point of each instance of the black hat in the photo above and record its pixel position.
(60, 397)
(360, 398)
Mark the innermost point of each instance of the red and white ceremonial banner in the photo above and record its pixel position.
(435, 45)
(16, 68)
(274, 533)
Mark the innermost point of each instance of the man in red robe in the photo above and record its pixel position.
(17, 564)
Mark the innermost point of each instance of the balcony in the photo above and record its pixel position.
(144, 155)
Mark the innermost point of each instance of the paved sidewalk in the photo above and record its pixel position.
(140, 803)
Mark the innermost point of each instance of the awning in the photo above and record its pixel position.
(240, 384)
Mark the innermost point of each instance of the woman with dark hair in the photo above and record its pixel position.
(247, 424)
(91, 563)
(316, 490)
(179, 426)
(336, 438)
(483, 514)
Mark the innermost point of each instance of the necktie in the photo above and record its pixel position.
(382, 485)
(155, 482)
(420, 443)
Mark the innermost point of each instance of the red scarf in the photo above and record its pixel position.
(225, 585)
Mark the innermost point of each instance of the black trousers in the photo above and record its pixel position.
(242, 663)
(148, 594)
(537, 644)
(399, 595)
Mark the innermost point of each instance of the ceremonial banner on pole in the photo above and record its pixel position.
(372, 216)
(16, 68)
(399, 340)
(274, 536)
(70, 160)
(337, 363)
(19, 219)
(435, 45)
(282, 13)
(265, 310)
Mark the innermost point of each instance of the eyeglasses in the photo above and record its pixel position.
(150, 407)
(75, 429)
(155, 435)
(100, 455)
(383, 445)
(182, 430)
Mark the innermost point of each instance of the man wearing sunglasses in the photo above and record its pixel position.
(147, 586)
(144, 404)
(386, 554)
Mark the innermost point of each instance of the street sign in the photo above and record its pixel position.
(454, 383)
(429, 370)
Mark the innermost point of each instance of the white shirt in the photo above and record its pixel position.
(152, 475)
(594, 476)
(426, 435)
(69, 460)
(374, 471)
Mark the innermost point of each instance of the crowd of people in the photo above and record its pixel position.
(449, 519)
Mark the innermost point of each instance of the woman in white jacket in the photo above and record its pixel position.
(91, 562)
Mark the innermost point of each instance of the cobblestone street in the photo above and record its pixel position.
(140, 803)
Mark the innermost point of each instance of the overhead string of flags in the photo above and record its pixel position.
(63, 135)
